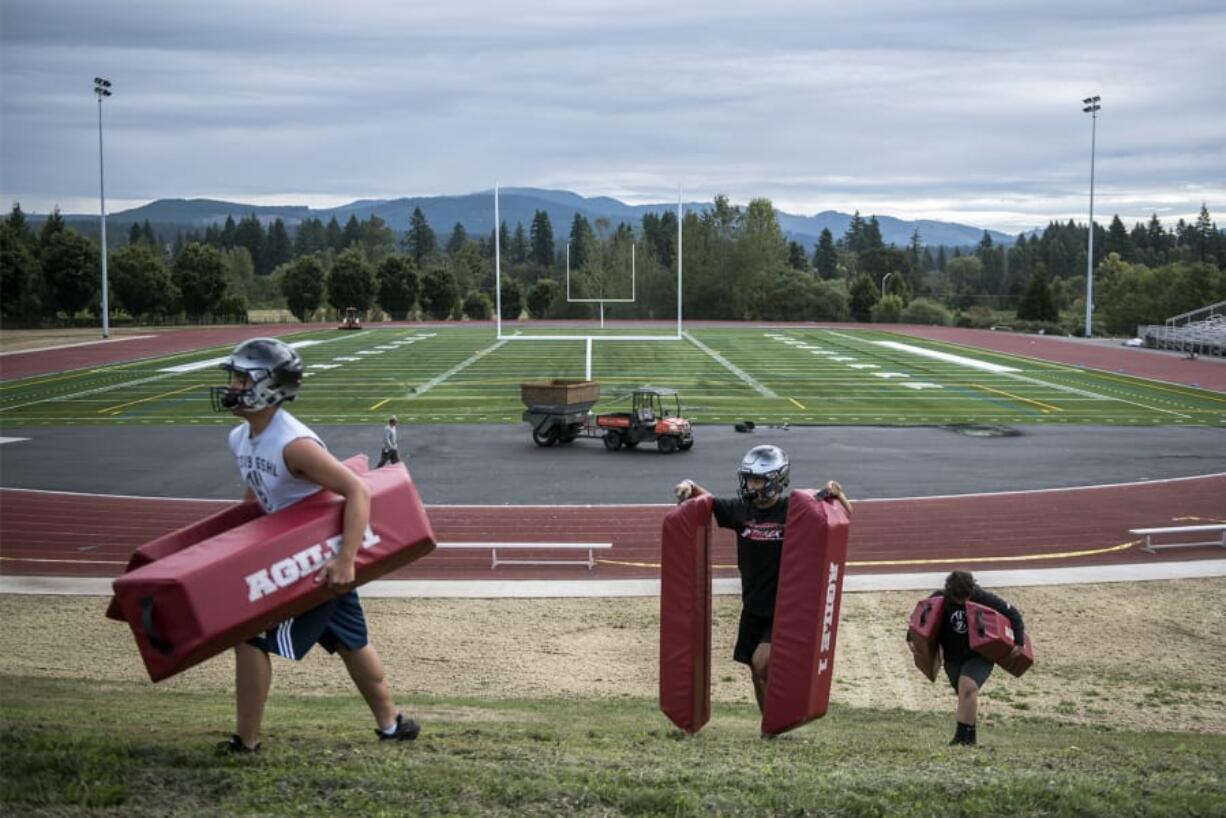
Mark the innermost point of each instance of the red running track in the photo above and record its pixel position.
(68, 535)
(121, 349)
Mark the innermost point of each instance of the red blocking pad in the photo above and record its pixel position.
(991, 636)
(924, 631)
(806, 612)
(214, 524)
(189, 606)
(685, 614)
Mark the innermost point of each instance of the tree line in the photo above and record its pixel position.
(738, 265)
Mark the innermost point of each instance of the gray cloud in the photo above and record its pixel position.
(951, 110)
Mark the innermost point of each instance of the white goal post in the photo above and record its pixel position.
(588, 338)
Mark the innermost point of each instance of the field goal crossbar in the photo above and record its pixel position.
(587, 338)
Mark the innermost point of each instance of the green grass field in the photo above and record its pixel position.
(83, 749)
(465, 375)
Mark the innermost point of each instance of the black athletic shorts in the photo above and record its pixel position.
(753, 631)
(336, 623)
(974, 666)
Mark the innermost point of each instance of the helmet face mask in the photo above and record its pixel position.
(273, 374)
(769, 464)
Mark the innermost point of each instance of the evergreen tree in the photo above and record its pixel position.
(335, 235)
(250, 234)
(303, 286)
(458, 236)
(21, 230)
(227, 233)
(796, 256)
(582, 242)
(438, 293)
(279, 249)
(310, 238)
(1118, 240)
(351, 281)
(504, 240)
(864, 295)
(541, 238)
(872, 236)
(20, 274)
(1206, 235)
(825, 257)
(200, 274)
(1037, 303)
(146, 231)
(140, 279)
(541, 296)
(853, 238)
(420, 241)
(351, 236)
(512, 299)
(398, 286)
(519, 245)
(941, 258)
(70, 266)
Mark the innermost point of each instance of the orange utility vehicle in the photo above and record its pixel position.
(654, 416)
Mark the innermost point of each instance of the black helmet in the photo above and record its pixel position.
(769, 463)
(274, 368)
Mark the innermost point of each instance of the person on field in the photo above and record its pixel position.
(391, 448)
(281, 462)
(758, 515)
(967, 670)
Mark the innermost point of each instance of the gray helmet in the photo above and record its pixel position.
(771, 464)
(274, 368)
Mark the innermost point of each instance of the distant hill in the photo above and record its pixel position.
(517, 205)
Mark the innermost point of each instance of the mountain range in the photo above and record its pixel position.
(516, 205)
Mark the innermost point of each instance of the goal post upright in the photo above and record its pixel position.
(588, 338)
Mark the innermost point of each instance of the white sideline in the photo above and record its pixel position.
(541, 589)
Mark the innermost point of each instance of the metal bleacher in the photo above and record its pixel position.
(1199, 332)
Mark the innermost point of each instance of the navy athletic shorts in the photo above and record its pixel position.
(336, 623)
(753, 631)
(974, 666)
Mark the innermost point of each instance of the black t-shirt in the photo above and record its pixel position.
(759, 549)
(955, 633)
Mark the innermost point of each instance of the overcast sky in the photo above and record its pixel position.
(960, 111)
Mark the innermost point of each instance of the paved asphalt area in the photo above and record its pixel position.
(499, 464)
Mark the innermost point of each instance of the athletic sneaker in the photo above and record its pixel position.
(406, 730)
(235, 745)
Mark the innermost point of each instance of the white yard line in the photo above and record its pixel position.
(166, 373)
(1009, 372)
(945, 356)
(211, 362)
(731, 367)
(472, 359)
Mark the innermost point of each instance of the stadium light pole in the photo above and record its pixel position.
(102, 88)
(1092, 105)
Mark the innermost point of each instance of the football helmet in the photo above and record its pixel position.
(769, 463)
(273, 368)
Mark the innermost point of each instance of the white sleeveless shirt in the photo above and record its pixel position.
(261, 460)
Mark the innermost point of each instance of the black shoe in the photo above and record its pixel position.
(406, 730)
(235, 746)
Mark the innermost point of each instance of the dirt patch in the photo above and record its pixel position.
(1141, 655)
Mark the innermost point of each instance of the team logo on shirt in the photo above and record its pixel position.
(957, 619)
(762, 531)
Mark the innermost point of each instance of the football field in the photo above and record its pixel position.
(724, 375)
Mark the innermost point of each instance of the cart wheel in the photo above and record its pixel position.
(667, 444)
(612, 440)
(546, 439)
(685, 447)
(630, 444)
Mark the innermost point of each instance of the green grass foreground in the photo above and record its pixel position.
(75, 748)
